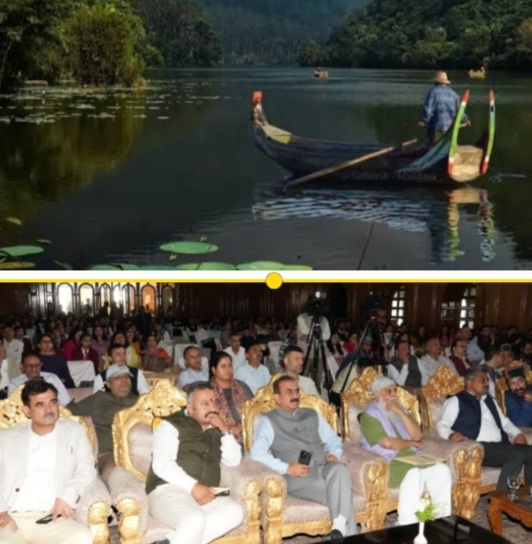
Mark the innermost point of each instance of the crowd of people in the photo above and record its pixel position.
(225, 363)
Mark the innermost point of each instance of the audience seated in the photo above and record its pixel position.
(473, 414)
(254, 374)
(102, 406)
(194, 371)
(433, 359)
(281, 438)
(404, 368)
(117, 355)
(518, 398)
(154, 358)
(188, 448)
(459, 356)
(45, 465)
(293, 366)
(493, 365)
(230, 394)
(236, 351)
(54, 361)
(85, 352)
(31, 369)
(389, 431)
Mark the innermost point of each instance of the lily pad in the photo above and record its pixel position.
(14, 220)
(115, 266)
(19, 251)
(297, 267)
(16, 265)
(189, 248)
(44, 241)
(261, 265)
(156, 267)
(206, 266)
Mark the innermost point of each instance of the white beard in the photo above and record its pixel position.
(394, 417)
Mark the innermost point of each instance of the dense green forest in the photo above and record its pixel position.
(430, 34)
(273, 31)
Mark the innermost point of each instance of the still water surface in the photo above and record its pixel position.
(109, 177)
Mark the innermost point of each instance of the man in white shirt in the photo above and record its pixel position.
(188, 448)
(236, 351)
(14, 347)
(293, 366)
(432, 359)
(31, 367)
(304, 322)
(45, 465)
(473, 414)
(194, 371)
(117, 355)
(254, 374)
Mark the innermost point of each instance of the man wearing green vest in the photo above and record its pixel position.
(188, 448)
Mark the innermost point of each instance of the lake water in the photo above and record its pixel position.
(109, 177)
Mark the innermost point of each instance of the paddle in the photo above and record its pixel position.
(347, 164)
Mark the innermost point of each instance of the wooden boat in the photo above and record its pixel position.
(320, 73)
(477, 74)
(445, 161)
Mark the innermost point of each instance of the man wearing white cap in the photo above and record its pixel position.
(102, 407)
(388, 430)
(440, 107)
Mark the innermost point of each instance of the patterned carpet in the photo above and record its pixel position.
(511, 530)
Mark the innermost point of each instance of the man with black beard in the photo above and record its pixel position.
(388, 430)
(518, 398)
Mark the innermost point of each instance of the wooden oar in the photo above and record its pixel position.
(347, 164)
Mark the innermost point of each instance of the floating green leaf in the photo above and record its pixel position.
(44, 241)
(64, 266)
(297, 267)
(14, 220)
(206, 266)
(260, 265)
(189, 248)
(19, 251)
(16, 265)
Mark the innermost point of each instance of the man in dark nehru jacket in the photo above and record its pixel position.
(188, 448)
(473, 414)
(518, 398)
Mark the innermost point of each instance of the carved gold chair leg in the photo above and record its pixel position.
(98, 514)
(471, 489)
(273, 505)
(376, 477)
(128, 524)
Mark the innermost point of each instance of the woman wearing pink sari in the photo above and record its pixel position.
(230, 393)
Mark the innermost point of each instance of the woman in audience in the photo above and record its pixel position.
(154, 359)
(351, 343)
(53, 361)
(230, 393)
(99, 343)
(132, 348)
(335, 347)
(72, 343)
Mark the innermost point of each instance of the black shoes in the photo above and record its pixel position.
(336, 537)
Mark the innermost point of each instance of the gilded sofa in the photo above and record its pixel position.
(284, 516)
(132, 437)
(357, 397)
(94, 506)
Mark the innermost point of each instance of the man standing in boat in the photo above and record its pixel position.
(440, 107)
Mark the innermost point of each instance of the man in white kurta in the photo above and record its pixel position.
(31, 368)
(254, 374)
(432, 359)
(188, 448)
(236, 351)
(45, 465)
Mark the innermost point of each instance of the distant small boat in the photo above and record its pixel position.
(445, 161)
(477, 74)
(320, 73)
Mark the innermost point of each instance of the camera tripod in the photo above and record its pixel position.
(316, 366)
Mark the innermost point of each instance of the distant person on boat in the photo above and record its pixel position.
(440, 107)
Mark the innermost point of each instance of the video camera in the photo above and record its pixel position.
(373, 305)
(318, 305)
